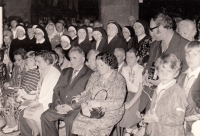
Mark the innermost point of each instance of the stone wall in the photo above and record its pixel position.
(18, 8)
(118, 10)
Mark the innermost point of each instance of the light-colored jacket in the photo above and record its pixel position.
(170, 110)
(48, 84)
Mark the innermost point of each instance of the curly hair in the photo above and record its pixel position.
(164, 20)
(46, 55)
(108, 59)
(20, 52)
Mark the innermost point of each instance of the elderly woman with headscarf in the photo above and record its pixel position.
(90, 30)
(21, 41)
(83, 39)
(42, 40)
(106, 88)
(65, 45)
(142, 39)
(115, 38)
(72, 30)
(100, 39)
(128, 34)
(53, 35)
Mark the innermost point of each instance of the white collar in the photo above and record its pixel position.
(128, 39)
(78, 69)
(61, 33)
(32, 67)
(74, 37)
(22, 38)
(141, 37)
(80, 40)
(134, 67)
(195, 73)
(41, 41)
(110, 38)
(162, 86)
(121, 64)
(67, 47)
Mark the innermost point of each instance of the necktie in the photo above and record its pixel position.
(74, 75)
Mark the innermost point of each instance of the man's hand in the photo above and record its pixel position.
(151, 117)
(63, 109)
(145, 79)
(154, 82)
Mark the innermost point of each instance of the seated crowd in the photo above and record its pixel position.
(140, 80)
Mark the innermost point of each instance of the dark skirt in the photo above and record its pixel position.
(130, 119)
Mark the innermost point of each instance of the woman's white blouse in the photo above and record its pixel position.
(48, 84)
(133, 77)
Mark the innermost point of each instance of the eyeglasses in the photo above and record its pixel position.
(151, 29)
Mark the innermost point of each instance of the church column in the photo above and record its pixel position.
(118, 10)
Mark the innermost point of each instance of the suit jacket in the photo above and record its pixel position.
(124, 65)
(176, 46)
(193, 96)
(65, 90)
(102, 44)
(154, 53)
(116, 42)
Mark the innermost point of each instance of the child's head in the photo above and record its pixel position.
(132, 57)
(59, 51)
(168, 67)
(30, 59)
(55, 57)
(192, 54)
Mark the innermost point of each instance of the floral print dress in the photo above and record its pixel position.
(112, 106)
(9, 102)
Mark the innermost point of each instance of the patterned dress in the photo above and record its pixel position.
(9, 103)
(144, 48)
(113, 106)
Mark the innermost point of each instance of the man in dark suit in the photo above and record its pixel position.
(120, 55)
(71, 83)
(161, 28)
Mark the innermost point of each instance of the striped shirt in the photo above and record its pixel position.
(30, 80)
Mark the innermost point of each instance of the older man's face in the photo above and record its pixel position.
(59, 27)
(155, 32)
(76, 59)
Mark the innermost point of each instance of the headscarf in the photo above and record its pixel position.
(119, 29)
(42, 29)
(131, 30)
(145, 25)
(23, 28)
(101, 30)
(84, 28)
(72, 27)
(54, 30)
(66, 38)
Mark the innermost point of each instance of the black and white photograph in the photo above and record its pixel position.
(99, 68)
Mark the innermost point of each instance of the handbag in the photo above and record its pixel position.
(96, 113)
